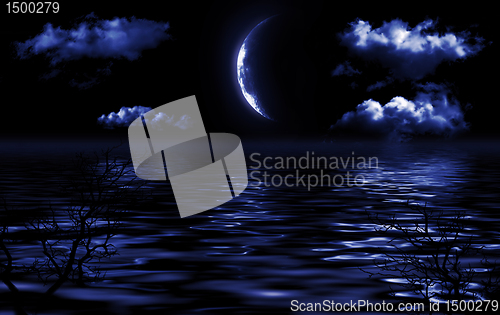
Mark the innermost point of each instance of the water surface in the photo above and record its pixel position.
(269, 246)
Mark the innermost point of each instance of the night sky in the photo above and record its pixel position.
(324, 71)
(93, 59)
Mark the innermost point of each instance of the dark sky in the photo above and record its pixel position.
(65, 89)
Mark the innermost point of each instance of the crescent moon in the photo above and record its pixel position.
(244, 72)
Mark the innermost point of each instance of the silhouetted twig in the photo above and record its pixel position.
(74, 239)
(431, 266)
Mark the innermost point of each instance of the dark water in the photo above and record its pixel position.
(269, 246)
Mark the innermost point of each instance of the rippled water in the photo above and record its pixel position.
(270, 245)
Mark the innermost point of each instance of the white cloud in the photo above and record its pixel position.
(127, 115)
(184, 122)
(410, 53)
(94, 38)
(431, 112)
(123, 118)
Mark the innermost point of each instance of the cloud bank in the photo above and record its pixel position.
(430, 113)
(123, 118)
(184, 122)
(127, 115)
(93, 38)
(410, 53)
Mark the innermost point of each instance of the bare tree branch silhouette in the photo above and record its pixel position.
(431, 267)
(74, 240)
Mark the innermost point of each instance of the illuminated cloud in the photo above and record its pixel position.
(410, 53)
(93, 38)
(430, 113)
(123, 118)
(127, 115)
